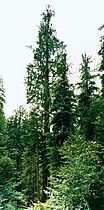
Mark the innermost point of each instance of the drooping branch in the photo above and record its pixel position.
(100, 28)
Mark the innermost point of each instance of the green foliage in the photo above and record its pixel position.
(16, 131)
(31, 158)
(41, 74)
(99, 122)
(81, 169)
(8, 194)
(42, 206)
(6, 169)
(63, 109)
(101, 53)
(88, 90)
(101, 67)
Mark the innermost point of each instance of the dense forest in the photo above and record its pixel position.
(52, 157)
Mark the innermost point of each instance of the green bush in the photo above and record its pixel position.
(80, 170)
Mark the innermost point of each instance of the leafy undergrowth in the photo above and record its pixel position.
(38, 206)
(41, 206)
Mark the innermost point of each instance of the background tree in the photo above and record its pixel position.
(63, 112)
(100, 101)
(15, 142)
(32, 157)
(99, 131)
(87, 86)
(8, 194)
(2, 119)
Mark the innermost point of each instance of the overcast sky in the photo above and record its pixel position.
(76, 22)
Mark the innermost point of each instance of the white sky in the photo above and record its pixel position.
(76, 22)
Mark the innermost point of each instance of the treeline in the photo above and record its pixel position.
(55, 152)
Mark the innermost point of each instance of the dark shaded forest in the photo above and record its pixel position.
(52, 157)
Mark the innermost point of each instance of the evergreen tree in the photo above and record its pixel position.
(63, 109)
(31, 174)
(15, 142)
(88, 90)
(100, 101)
(8, 194)
(41, 76)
